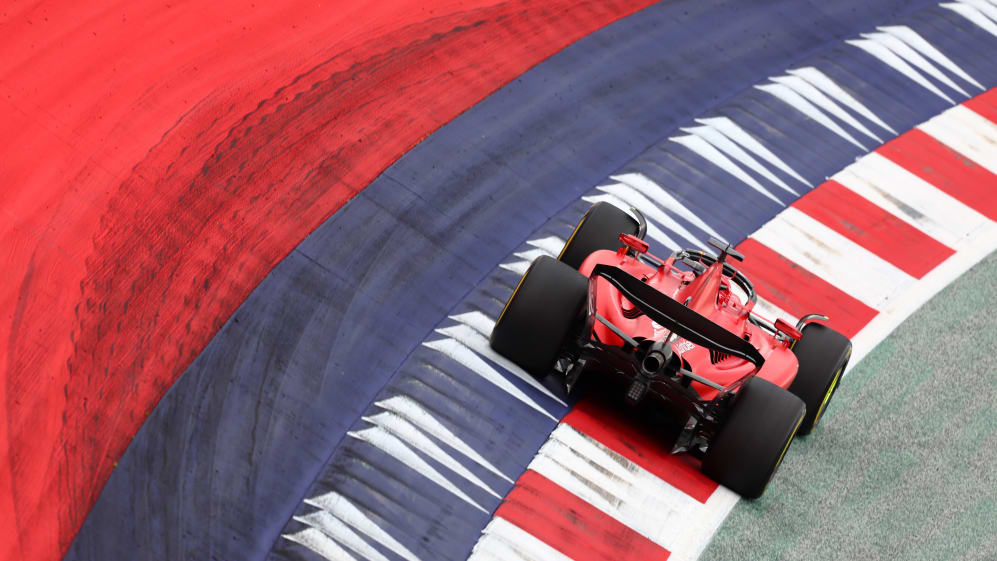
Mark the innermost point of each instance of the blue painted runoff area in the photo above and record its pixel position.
(323, 384)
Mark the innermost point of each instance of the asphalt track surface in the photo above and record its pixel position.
(904, 463)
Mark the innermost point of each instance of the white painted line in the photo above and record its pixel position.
(973, 15)
(911, 37)
(477, 320)
(910, 55)
(650, 210)
(717, 158)
(889, 58)
(551, 245)
(653, 231)
(833, 257)
(388, 443)
(769, 311)
(967, 132)
(340, 507)
(729, 147)
(829, 87)
(814, 95)
(321, 544)
(986, 8)
(530, 254)
(664, 199)
(476, 364)
(734, 132)
(628, 492)
(518, 267)
(408, 433)
(478, 343)
(969, 253)
(410, 410)
(798, 102)
(911, 199)
(341, 533)
(504, 541)
(689, 545)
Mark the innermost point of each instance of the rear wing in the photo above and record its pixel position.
(672, 315)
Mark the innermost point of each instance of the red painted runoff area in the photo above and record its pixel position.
(800, 292)
(160, 158)
(873, 228)
(572, 526)
(641, 446)
(985, 104)
(941, 166)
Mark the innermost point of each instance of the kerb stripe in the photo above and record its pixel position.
(625, 437)
(948, 170)
(800, 292)
(868, 225)
(984, 104)
(572, 526)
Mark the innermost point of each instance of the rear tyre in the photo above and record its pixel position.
(539, 315)
(749, 447)
(600, 228)
(823, 354)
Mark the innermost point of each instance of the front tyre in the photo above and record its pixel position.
(599, 228)
(749, 447)
(539, 315)
(823, 354)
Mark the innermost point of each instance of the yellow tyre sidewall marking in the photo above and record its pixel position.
(827, 396)
(784, 449)
(511, 298)
(577, 228)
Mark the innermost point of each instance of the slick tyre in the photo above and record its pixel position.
(539, 315)
(823, 354)
(600, 228)
(749, 447)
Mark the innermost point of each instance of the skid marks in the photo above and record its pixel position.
(451, 425)
(457, 421)
(971, 12)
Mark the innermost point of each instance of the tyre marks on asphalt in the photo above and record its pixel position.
(595, 459)
(923, 206)
(951, 128)
(945, 169)
(887, 204)
(186, 153)
(810, 244)
(798, 291)
(546, 504)
(407, 501)
(873, 228)
(432, 459)
(866, 247)
(649, 450)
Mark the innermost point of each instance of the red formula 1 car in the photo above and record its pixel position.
(680, 330)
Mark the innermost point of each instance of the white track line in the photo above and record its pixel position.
(911, 199)
(838, 260)
(968, 133)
